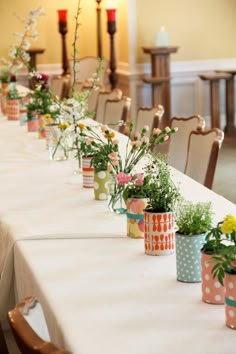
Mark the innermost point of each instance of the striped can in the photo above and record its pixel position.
(87, 172)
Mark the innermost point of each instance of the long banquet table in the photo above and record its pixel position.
(100, 293)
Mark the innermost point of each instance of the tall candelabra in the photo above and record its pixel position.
(62, 26)
(111, 29)
(99, 37)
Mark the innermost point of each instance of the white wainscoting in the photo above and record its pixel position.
(189, 94)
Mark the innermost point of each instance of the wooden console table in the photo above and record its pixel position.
(160, 78)
(230, 128)
(214, 80)
(33, 53)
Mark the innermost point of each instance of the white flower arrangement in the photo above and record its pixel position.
(18, 52)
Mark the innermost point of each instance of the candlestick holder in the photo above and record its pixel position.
(99, 37)
(62, 27)
(111, 29)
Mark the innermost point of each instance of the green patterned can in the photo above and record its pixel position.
(188, 257)
(101, 185)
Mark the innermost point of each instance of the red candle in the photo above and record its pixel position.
(62, 15)
(111, 15)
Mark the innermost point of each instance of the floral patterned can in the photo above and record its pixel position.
(87, 172)
(13, 109)
(230, 300)
(159, 233)
(135, 217)
(212, 290)
(101, 185)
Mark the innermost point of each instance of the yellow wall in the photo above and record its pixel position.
(50, 39)
(203, 29)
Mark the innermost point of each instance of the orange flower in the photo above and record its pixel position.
(112, 135)
(81, 125)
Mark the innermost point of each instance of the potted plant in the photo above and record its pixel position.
(13, 104)
(163, 196)
(41, 103)
(212, 289)
(135, 197)
(224, 265)
(193, 221)
(100, 162)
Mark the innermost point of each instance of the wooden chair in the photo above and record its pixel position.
(60, 86)
(117, 110)
(3, 344)
(178, 144)
(150, 116)
(202, 156)
(86, 67)
(103, 96)
(22, 320)
(93, 96)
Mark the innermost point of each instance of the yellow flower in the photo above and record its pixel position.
(47, 119)
(81, 125)
(63, 126)
(229, 224)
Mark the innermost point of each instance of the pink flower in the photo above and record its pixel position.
(137, 135)
(156, 131)
(123, 178)
(104, 128)
(115, 162)
(166, 137)
(146, 128)
(139, 179)
(113, 156)
(145, 139)
(115, 142)
(109, 168)
(138, 143)
(89, 141)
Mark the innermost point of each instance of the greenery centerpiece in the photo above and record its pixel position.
(193, 221)
(163, 196)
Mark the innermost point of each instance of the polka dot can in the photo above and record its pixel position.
(212, 290)
(188, 257)
(101, 185)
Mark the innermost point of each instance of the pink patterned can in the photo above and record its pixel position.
(159, 233)
(13, 109)
(33, 124)
(212, 290)
(135, 217)
(230, 300)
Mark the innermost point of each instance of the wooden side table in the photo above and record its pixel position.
(230, 128)
(160, 78)
(214, 80)
(33, 53)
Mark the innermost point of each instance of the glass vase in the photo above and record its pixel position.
(116, 201)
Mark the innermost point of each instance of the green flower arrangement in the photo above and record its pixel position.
(194, 218)
(163, 195)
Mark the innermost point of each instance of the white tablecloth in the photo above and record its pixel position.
(107, 297)
(42, 199)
